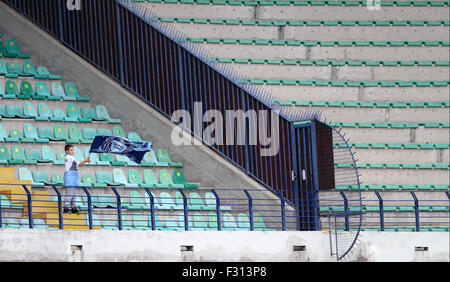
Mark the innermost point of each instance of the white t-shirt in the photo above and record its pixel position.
(70, 163)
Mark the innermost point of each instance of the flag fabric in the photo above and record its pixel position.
(135, 151)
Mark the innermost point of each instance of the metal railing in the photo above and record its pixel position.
(388, 211)
(120, 208)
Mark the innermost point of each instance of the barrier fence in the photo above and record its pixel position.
(120, 208)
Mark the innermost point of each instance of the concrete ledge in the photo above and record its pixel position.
(234, 246)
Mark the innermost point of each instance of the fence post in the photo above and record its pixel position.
(89, 200)
(152, 208)
(61, 221)
(416, 207)
(185, 207)
(30, 205)
(119, 208)
(381, 207)
(250, 208)
(347, 224)
(217, 209)
(283, 212)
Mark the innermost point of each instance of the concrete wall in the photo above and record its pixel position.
(248, 246)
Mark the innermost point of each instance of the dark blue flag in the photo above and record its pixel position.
(118, 145)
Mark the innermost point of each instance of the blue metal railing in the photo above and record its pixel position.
(124, 208)
(216, 209)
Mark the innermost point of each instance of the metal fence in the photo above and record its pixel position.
(120, 208)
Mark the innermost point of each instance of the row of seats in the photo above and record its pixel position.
(164, 201)
(305, 22)
(11, 50)
(301, 2)
(445, 166)
(74, 114)
(395, 187)
(349, 83)
(400, 145)
(33, 156)
(67, 93)
(402, 229)
(363, 104)
(377, 63)
(40, 178)
(389, 124)
(143, 222)
(46, 134)
(391, 43)
(27, 69)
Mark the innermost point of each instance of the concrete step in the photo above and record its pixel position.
(329, 33)
(270, 71)
(391, 135)
(404, 176)
(379, 94)
(297, 12)
(226, 50)
(402, 155)
(410, 115)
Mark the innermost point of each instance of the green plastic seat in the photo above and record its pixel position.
(4, 70)
(125, 160)
(75, 134)
(88, 181)
(74, 112)
(165, 180)
(28, 110)
(229, 222)
(88, 133)
(258, 223)
(89, 113)
(104, 131)
(5, 157)
(243, 221)
(14, 68)
(12, 50)
(102, 113)
(6, 203)
(165, 201)
(199, 222)
(14, 111)
(211, 203)
(42, 177)
(134, 136)
(27, 92)
(178, 178)
(119, 177)
(11, 90)
(95, 160)
(58, 92)
(44, 113)
(105, 177)
(78, 153)
(118, 131)
(179, 202)
(47, 154)
(163, 156)
(47, 133)
(42, 72)
(16, 135)
(136, 201)
(60, 156)
(149, 177)
(25, 174)
(140, 222)
(4, 135)
(126, 222)
(106, 157)
(60, 133)
(212, 221)
(150, 159)
(72, 91)
(42, 92)
(195, 201)
(28, 68)
(134, 177)
(29, 131)
(34, 154)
